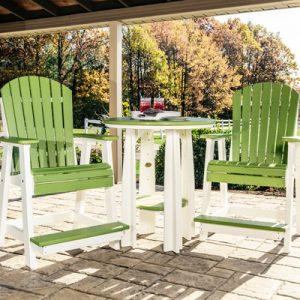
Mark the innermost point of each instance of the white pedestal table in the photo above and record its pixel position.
(179, 179)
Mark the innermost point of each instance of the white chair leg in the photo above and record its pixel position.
(209, 154)
(147, 222)
(289, 181)
(4, 188)
(223, 185)
(81, 195)
(110, 205)
(27, 191)
(297, 181)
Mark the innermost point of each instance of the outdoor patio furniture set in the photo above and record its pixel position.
(39, 156)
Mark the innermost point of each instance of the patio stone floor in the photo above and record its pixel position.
(223, 267)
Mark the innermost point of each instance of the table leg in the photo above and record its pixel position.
(147, 179)
(129, 189)
(172, 186)
(188, 183)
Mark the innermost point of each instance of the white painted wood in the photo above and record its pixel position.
(45, 219)
(173, 210)
(238, 210)
(101, 239)
(147, 179)
(297, 181)
(289, 182)
(27, 192)
(209, 155)
(4, 189)
(169, 10)
(223, 185)
(87, 220)
(188, 183)
(147, 164)
(16, 232)
(248, 232)
(115, 90)
(85, 156)
(129, 189)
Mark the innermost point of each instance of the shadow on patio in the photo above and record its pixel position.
(224, 267)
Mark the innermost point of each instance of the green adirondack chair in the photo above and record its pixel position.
(262, 154)
(38, 126)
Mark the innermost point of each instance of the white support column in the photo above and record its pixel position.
(172, 183)
(115, 90)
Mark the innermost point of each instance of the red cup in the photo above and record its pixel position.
(159, 103)
(145, 103)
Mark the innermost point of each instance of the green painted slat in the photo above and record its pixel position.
(48, 121)
(236, 126)
(58, 122)
(29, 119)
(282, 123)
(159, 206)
(255, 116)
(246, 110)
(234, 222)
(96, 136)
(75, 168)
(78, 234)
(9, 110)
(246, 179)
(231, 167)
(39, 119)
(215, 135)
(73, 176)
(273, 129)
(292, 120)
(11, 123)
(264, 121)
(72, 186)
(68, 124)
(18, 109)
(21, 141)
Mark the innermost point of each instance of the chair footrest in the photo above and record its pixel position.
(234, 222)
(158, 206)
(78, 234)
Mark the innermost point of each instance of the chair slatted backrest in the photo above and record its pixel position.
(41, 108)
(262, 114)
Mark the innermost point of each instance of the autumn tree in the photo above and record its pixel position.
(145, 69)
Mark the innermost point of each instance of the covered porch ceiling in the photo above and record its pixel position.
(19, 17)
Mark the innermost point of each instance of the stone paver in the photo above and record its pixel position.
(249, 285)
(223, 267)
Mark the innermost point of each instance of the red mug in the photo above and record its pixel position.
(145, 103)
(159, 103)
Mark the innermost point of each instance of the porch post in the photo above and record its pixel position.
(115, 90)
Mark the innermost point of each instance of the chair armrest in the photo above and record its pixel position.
(18, 141)
(215, 136)
(291, 139)
(96, 137)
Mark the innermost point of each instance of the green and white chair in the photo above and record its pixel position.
(262, 154)
(39, 156)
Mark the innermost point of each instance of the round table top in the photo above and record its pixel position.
(166, 123)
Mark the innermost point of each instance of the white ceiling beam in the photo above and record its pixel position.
(141, 14)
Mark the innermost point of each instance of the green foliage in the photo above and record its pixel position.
(199, 146)
(194, 64)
